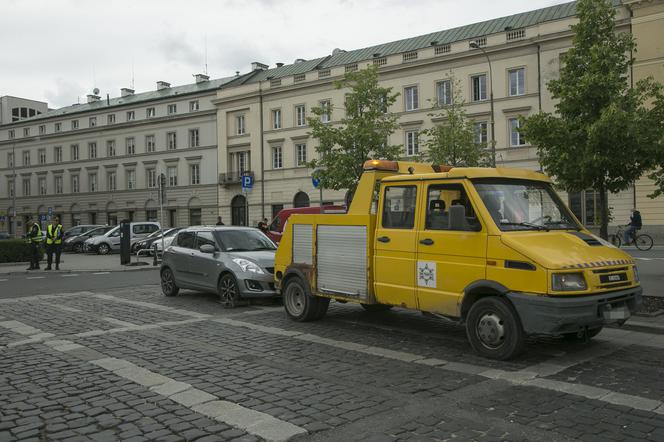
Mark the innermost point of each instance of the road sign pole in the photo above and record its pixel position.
(162, 197)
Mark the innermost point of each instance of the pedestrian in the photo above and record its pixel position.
(219, 221)
(54, 243)
(34, 237)
(635, 224)
(263, 225)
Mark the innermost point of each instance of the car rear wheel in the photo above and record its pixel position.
(78, 248)
(300, 305)
(168, 286)
(494, 329)
(103, 249)
(229, 294)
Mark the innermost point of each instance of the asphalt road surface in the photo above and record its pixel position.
(651, 270)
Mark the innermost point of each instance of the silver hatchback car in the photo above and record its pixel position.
(234, 262)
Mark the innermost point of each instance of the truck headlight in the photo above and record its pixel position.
(568, 282)
(248, 266)
(636, 274)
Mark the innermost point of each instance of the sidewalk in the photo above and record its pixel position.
(78, 262)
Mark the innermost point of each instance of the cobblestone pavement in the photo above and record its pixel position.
(134, 365)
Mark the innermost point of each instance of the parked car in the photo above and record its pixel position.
(234, 262)
(276, 227)
(75, 243)
(110, 241)
(80, 229)
(5, 235)
(156, 246)
(146, 244)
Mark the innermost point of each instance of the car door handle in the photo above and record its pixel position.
(383, 239)
(427, 241)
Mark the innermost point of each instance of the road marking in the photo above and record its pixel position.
(153, 306)
(69, 275)
(119, 322)
(35, 277)
(101, 273)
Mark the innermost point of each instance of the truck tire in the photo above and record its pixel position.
(299, 304)
(494, 329)
(374, 308)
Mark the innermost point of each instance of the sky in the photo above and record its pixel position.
(58, 51)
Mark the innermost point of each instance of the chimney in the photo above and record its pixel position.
(256, 66)
(279, 65)
(125, 91)
(93, 98)
(162, 85)
(201, 78)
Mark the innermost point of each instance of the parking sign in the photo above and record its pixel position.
(247, 182)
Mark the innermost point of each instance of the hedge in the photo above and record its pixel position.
(14, 250)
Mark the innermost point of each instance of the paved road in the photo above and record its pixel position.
(651, 270)
(131, 364)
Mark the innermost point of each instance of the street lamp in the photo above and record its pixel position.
(474, 45)
(14, 189)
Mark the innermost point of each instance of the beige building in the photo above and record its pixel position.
(262, 116)
(100, 162)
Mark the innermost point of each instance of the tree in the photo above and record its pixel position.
(361, 135)
(454, 142)
(604, 133)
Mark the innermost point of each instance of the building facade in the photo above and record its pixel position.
(262, 126)
(99, 162)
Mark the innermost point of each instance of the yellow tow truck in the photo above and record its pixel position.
(492, 248)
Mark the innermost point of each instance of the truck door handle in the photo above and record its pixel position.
(383, 239)
(427, 241)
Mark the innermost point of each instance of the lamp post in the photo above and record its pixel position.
(474, 45)
(14, 189)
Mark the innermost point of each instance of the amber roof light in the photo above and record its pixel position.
(392, 166)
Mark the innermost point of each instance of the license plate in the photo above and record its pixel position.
(618, 277)
(617, 312)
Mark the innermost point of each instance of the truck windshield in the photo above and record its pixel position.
(524, 205)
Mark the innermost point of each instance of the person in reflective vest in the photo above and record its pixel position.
(54, 243)
(34, 237)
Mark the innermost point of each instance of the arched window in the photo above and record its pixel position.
(239, 211)
(301, 200)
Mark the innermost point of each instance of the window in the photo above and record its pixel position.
(172, 141)
(58, 184)
(75, 188)
(517, 81)
(10, 160)
(172, 176)
(26, 186)
(412, 143)
(74, 152)
(478, 86)
(26, 132)
(42, 129)
(301, 199)
(10, 188)
(277, 158)
(194, 174)
(42, 185)
(516, 139)
(239, 162)
(586, 206)
(149, 143)
(441, 198)
(130, 144)
(92, 150)
(151, 215)
(110, 148)
(412, 99)
(92, 182)
(26, 157)
(42, 156)
(74, 124)
(399, 207)
(195, 220)
(444, 92)
(11, 134)
(131, 116)
(326, 106)
(194, 140)
(186, 240)
(58, 127)
(300, 115)
(276, 119)
(194, 106)
(151, 178)
(131, 179)
(150, 112)
(112, 180)
(301, 154)
(172, 109)
(92, 122)
(240, 128)
(57, 154)
(110, 119)
(481, 133)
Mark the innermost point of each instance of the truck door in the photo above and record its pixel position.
(451, 247)
(395, 245)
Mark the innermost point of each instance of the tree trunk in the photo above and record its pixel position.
(604, 213)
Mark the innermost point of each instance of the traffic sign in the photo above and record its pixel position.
(50, 212)
(247, 182)
(315, 181)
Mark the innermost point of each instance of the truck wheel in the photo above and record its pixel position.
(494, 329)
(592, 332)
(299, 304)
(374, 308)
(168, 286)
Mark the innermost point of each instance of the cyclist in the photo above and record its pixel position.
(635, 224)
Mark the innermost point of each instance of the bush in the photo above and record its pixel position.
(14, 250)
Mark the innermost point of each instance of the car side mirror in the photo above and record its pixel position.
(207, 248)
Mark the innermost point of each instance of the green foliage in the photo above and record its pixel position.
(453, 142)
(14, 250)
(361, 135)
(604, 133)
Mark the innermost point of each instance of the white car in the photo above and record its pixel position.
(156, 246)
(110, 241)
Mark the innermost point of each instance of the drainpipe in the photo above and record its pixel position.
(539, 77)
(260, 108)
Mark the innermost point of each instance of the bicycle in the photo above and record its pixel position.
(642, 241)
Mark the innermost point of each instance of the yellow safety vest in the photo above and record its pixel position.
(53, 237)
(36, 238)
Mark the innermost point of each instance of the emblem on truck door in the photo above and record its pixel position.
(426, 274)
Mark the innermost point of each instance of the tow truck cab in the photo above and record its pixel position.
(492, 248)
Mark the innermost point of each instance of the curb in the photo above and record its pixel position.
(55, 272)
